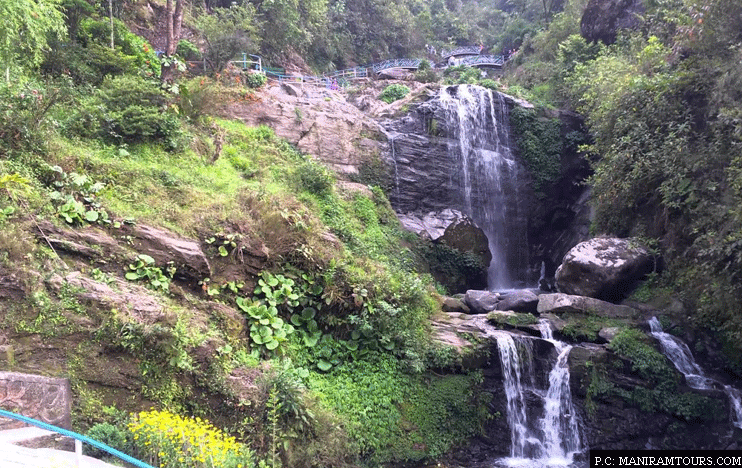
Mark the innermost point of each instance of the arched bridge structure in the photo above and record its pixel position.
(468, 56)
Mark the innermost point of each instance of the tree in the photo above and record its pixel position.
(24, 25)
(74, 12)
(173, 22)
(227, 32)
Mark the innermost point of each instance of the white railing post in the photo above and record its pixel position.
(78, 453)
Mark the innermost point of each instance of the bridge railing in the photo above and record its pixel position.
(494, 60)
(465, 50)
(343, 78)
(79, 438)
(396, 63)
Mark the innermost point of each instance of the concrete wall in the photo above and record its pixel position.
(44, 398)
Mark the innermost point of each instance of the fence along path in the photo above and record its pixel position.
(341, 78)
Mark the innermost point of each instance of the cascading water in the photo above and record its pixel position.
(559, 424)
(679, 353)
(553, 438)
(513, 381)
(487, 176)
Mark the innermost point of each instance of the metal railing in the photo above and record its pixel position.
(492, 60)
(465, 50)
(342, 78)
(79, 438)
(396, 63)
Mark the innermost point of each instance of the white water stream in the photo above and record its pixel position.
(553, 437)
(488, 177)
(678, 352)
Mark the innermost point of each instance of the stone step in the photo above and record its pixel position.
(14, 456)
(18, 449)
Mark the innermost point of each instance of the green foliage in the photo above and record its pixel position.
(226, 244)
(188, 50)
(131, 49)
(649, 363)
(315, 177)
(129, 109)
(26, 113)
(267, 329)
(461, 74)
(112, 435)
(75, 197)
(227, 32)
(425, 74)
(395, 417)
(394, 92)
(374, 172)
(513, 320)
(580, 327)
(255, 80)
(144, 268)
(451, 267)
(24, 31)
(539, 143)
(661, 390)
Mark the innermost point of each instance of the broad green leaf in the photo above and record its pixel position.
(324, 365)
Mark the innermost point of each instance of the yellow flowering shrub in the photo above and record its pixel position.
(171, 441)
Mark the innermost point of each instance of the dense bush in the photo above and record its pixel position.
(129, 109)
(314, 177)
(111, 435)
(168, 440)
(127, 43)
(188, 51)
(397, 417)
(394, 92)
(539, 144)
(255, 80)
(25, 112)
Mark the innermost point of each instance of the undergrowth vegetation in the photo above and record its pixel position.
(661, 103)
(318, 354)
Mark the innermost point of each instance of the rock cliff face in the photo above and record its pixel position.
(318, 121)
(602, 19)
(423, 148)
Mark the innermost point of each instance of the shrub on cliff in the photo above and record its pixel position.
(393, 93)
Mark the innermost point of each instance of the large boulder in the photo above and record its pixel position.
(459, 232)
(559, 303)
(481, 302)
(523, 300)
(604, 268)
(602, 19)
(465, 236)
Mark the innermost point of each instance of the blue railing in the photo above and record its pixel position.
(120, 455)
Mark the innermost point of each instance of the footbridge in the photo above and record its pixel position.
(468, 56)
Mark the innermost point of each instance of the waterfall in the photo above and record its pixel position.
(678, 352)
(553, 438)
(487, 178)
(392, 139)
(512, 370)
(559, 423)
